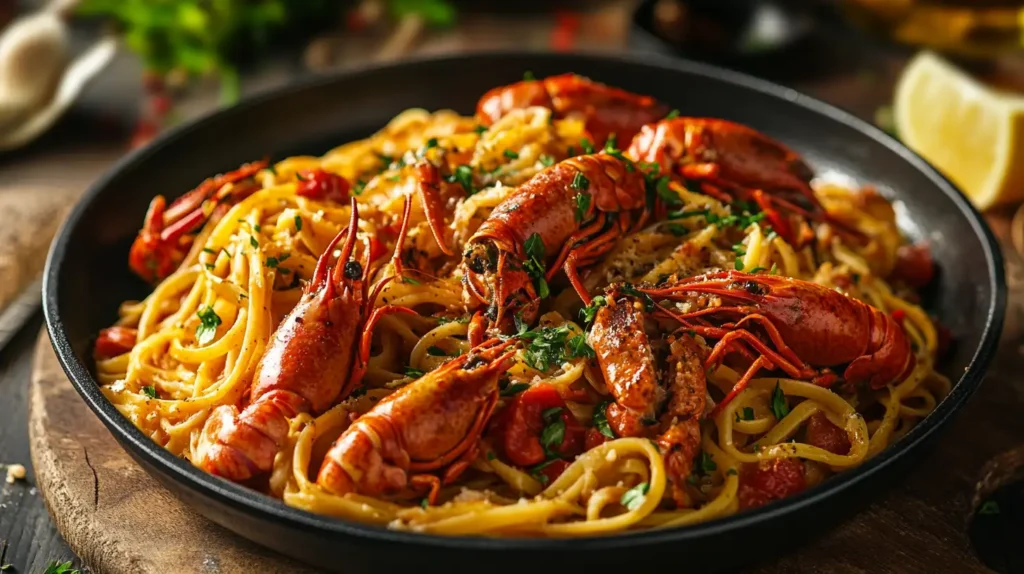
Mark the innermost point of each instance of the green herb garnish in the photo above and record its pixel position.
(207, 329)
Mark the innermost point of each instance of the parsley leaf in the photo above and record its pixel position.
(298, 223)
(207, 329)
(528, 76)
(554, 432)
(514, 389)
(779, 407)
(739, 264)
(578, 347)
(748, 413)
(634, 497)
(580, 182)
(55, 567)
(707, 464)
(989, 507)
(150, 391)
(676, 229)
(534, 265)
(413, 373)
(480, 129)
(253, 242)
(546, 348)
(672, 115)
(582, 205)
(547, 160)
(511, 154)
(586, 146)
(435, 351)
(463, 176)
(601, 420)
(590, 311)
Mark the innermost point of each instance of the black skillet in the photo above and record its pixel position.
(87, 277)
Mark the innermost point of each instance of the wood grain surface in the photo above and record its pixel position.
(119, 520)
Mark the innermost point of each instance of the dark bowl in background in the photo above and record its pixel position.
(86, 278)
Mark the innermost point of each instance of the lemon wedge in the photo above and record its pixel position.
(971, 133)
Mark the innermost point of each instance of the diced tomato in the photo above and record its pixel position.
(914, 265)
(769, 481)
(115, 341)
(320, 184)
(522, 424)
(554, 470)
(899, 315)
(593, 439)
(823, 434)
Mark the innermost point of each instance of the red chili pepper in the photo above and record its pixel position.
(320, 184)
(522, 424)
(115, 341)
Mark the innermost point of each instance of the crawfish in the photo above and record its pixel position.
(431, 424)
(314, 359)
(665, 404)
(811, 327)
(604, 110)
(731, 159)
(164, 239)
(581, 205)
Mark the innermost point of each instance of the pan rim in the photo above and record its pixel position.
(268, 508)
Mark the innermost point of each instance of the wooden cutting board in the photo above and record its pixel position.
(119, 520)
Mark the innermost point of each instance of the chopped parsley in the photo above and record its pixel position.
(628, 289)
(707, 463)
(253, 242)
(779, 407)
(150, 391)
(731, 472)
(511, 154)
(413, 373)
(547, 160)
(578, 347)
(634, 497)
(432, 142)
(535, 470)
(480, 129)
(774, 270)
(425, 503)
(55, 567)
(676, 229)
(554, 431)
(463, 176)
(582, 205)
(358, 188)
(528, 76)
(207, 329)
(748, 413)
(601, 420)
(590, 311)
(547, 346)
(580, 182)
(298, 223)
(586, 146)
(514, 389)
(757, 270)
(672, 115)
(739, 264)
(534, 265)
(410, 280)
(208, 250)
(989, 507)
(666, 194)
(435, 351)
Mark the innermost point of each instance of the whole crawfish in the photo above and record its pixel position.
(733, 161)
(315, 358)
(164, 239)
(665, 404)
(604, 110)
(810, 328)
(581, 206)
(431, 424)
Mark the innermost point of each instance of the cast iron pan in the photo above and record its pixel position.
(87, 277)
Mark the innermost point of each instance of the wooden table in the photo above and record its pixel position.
(913, 534)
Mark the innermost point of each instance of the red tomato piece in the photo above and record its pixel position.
(769, 481)
(594, 438)
(115, 341)
(521, 426)
(823, 434)
(320, 184)
(554, 470)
